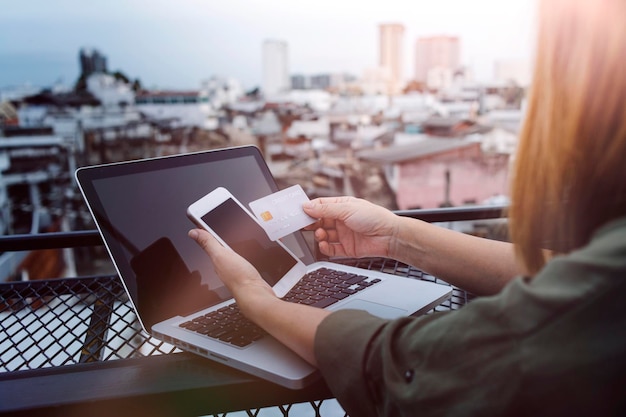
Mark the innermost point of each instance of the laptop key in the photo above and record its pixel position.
(325, 302)
(241, 342)
(217, 333)
(356, 279)
(340, 295)
(208, 329)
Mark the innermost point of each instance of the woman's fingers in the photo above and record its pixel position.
(332, 249)
(329, 235)
(222, 258)
(205, 240)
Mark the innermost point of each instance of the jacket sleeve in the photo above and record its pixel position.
(553, 345)
(439, 364)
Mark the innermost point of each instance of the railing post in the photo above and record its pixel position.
(95, 338)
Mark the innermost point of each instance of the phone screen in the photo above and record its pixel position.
(249, 240)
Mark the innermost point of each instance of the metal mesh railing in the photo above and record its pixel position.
(67, 321)
(77, 320)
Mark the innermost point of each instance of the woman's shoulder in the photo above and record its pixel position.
(600, 263)
(578, 353)
(607, 246)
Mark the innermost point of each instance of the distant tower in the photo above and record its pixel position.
(275, 67)
(91, 61)
(440, 53)
(391, 39)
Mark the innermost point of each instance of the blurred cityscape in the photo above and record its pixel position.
(439, 139)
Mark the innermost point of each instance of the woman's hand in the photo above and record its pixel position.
(351, 227)
(292, 324)
(356, 228)
(241, 278)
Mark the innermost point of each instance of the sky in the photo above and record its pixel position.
(179, 43)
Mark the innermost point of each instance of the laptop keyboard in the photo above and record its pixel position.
(320, 288)
(226, 324)
(324, 287)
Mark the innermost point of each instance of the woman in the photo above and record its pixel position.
(549, 336)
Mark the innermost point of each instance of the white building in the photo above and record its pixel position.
(275, 67)
(111, 93)
(70, 114)
(222, 91)
(309, 128)
(361, 105)
(188, 108)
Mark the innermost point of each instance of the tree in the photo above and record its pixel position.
(119, 75)
(81, 83)
(137, 85)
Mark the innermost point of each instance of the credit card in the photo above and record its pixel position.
(281, 213)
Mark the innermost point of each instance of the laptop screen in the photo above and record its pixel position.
(140, 208)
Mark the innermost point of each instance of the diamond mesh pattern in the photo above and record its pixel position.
(76, 320)
(67, 321)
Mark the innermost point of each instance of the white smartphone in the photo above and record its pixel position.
(222, 215)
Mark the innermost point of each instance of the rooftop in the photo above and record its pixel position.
(424, 146)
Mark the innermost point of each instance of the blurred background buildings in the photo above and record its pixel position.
(275, 67)
(432, 136)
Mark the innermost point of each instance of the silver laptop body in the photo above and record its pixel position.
(139, 208)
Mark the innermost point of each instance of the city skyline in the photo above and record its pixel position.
(178, 44)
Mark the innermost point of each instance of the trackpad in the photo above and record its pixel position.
(379, 310)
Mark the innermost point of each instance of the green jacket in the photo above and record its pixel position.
(554, 345)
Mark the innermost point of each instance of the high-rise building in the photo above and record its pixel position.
(439, 53)
(275, 67)
(92, 61)
(391, 39)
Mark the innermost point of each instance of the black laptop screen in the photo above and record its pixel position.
(140, 208)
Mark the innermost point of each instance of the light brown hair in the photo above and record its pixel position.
(570, 168)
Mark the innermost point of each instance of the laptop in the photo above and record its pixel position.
(139, 208)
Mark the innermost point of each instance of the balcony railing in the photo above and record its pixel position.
(74, 345)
